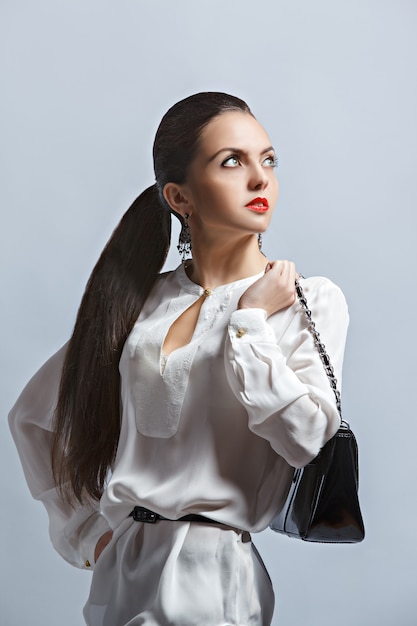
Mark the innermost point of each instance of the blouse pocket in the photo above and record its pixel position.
(156, 416)
(158, 398)
(158, 402)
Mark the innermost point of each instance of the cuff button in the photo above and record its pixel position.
(240, 332)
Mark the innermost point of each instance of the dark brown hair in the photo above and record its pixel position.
(87, 417)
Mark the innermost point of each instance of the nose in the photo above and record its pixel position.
(258, 178)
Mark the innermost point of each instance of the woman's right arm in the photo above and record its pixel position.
(75, 531)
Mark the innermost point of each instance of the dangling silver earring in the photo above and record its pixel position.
(260, 242)
(184, 241)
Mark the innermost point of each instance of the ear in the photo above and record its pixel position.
(177, 198)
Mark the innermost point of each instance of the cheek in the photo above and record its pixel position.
(215, 195)
(275, 189)
(204, 187)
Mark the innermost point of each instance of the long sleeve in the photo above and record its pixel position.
(74, 532)
(275, 371)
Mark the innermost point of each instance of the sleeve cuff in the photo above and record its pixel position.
(93, 529)
(247, 325)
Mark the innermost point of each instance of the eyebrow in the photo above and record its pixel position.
(238, 151)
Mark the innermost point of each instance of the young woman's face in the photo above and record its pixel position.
(231, 183)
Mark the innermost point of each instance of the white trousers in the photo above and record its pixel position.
(179, 574)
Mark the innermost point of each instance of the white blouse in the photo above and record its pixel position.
(214, 427)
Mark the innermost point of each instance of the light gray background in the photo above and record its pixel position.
(84, 85)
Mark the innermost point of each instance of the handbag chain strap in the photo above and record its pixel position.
(321, 348)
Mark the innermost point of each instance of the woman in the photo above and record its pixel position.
(166, 430)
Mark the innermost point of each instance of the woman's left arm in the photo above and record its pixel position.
(275, 371)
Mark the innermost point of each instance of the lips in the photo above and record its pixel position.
(260, 205)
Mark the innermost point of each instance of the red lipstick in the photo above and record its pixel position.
(260, 205)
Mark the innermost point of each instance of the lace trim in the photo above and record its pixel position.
(164, 359)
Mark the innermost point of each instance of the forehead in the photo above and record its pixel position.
(233, 129)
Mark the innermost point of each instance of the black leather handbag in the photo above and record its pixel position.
(322, 504)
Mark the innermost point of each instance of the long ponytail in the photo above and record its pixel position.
(87, 418)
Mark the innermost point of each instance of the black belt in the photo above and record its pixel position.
(140, 514)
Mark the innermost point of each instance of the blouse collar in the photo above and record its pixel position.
(193, 288)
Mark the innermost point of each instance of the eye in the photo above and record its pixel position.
(231, 161)
(271, 161)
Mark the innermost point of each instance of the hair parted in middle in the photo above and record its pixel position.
(87, 417)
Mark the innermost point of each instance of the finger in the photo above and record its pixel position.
(278, 267)
(293, 277)
(286, 270)
(292, 272)
(288, 276)
(276, 263)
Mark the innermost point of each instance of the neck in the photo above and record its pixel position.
(219, 263)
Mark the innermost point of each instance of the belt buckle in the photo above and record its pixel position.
(140, 514)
